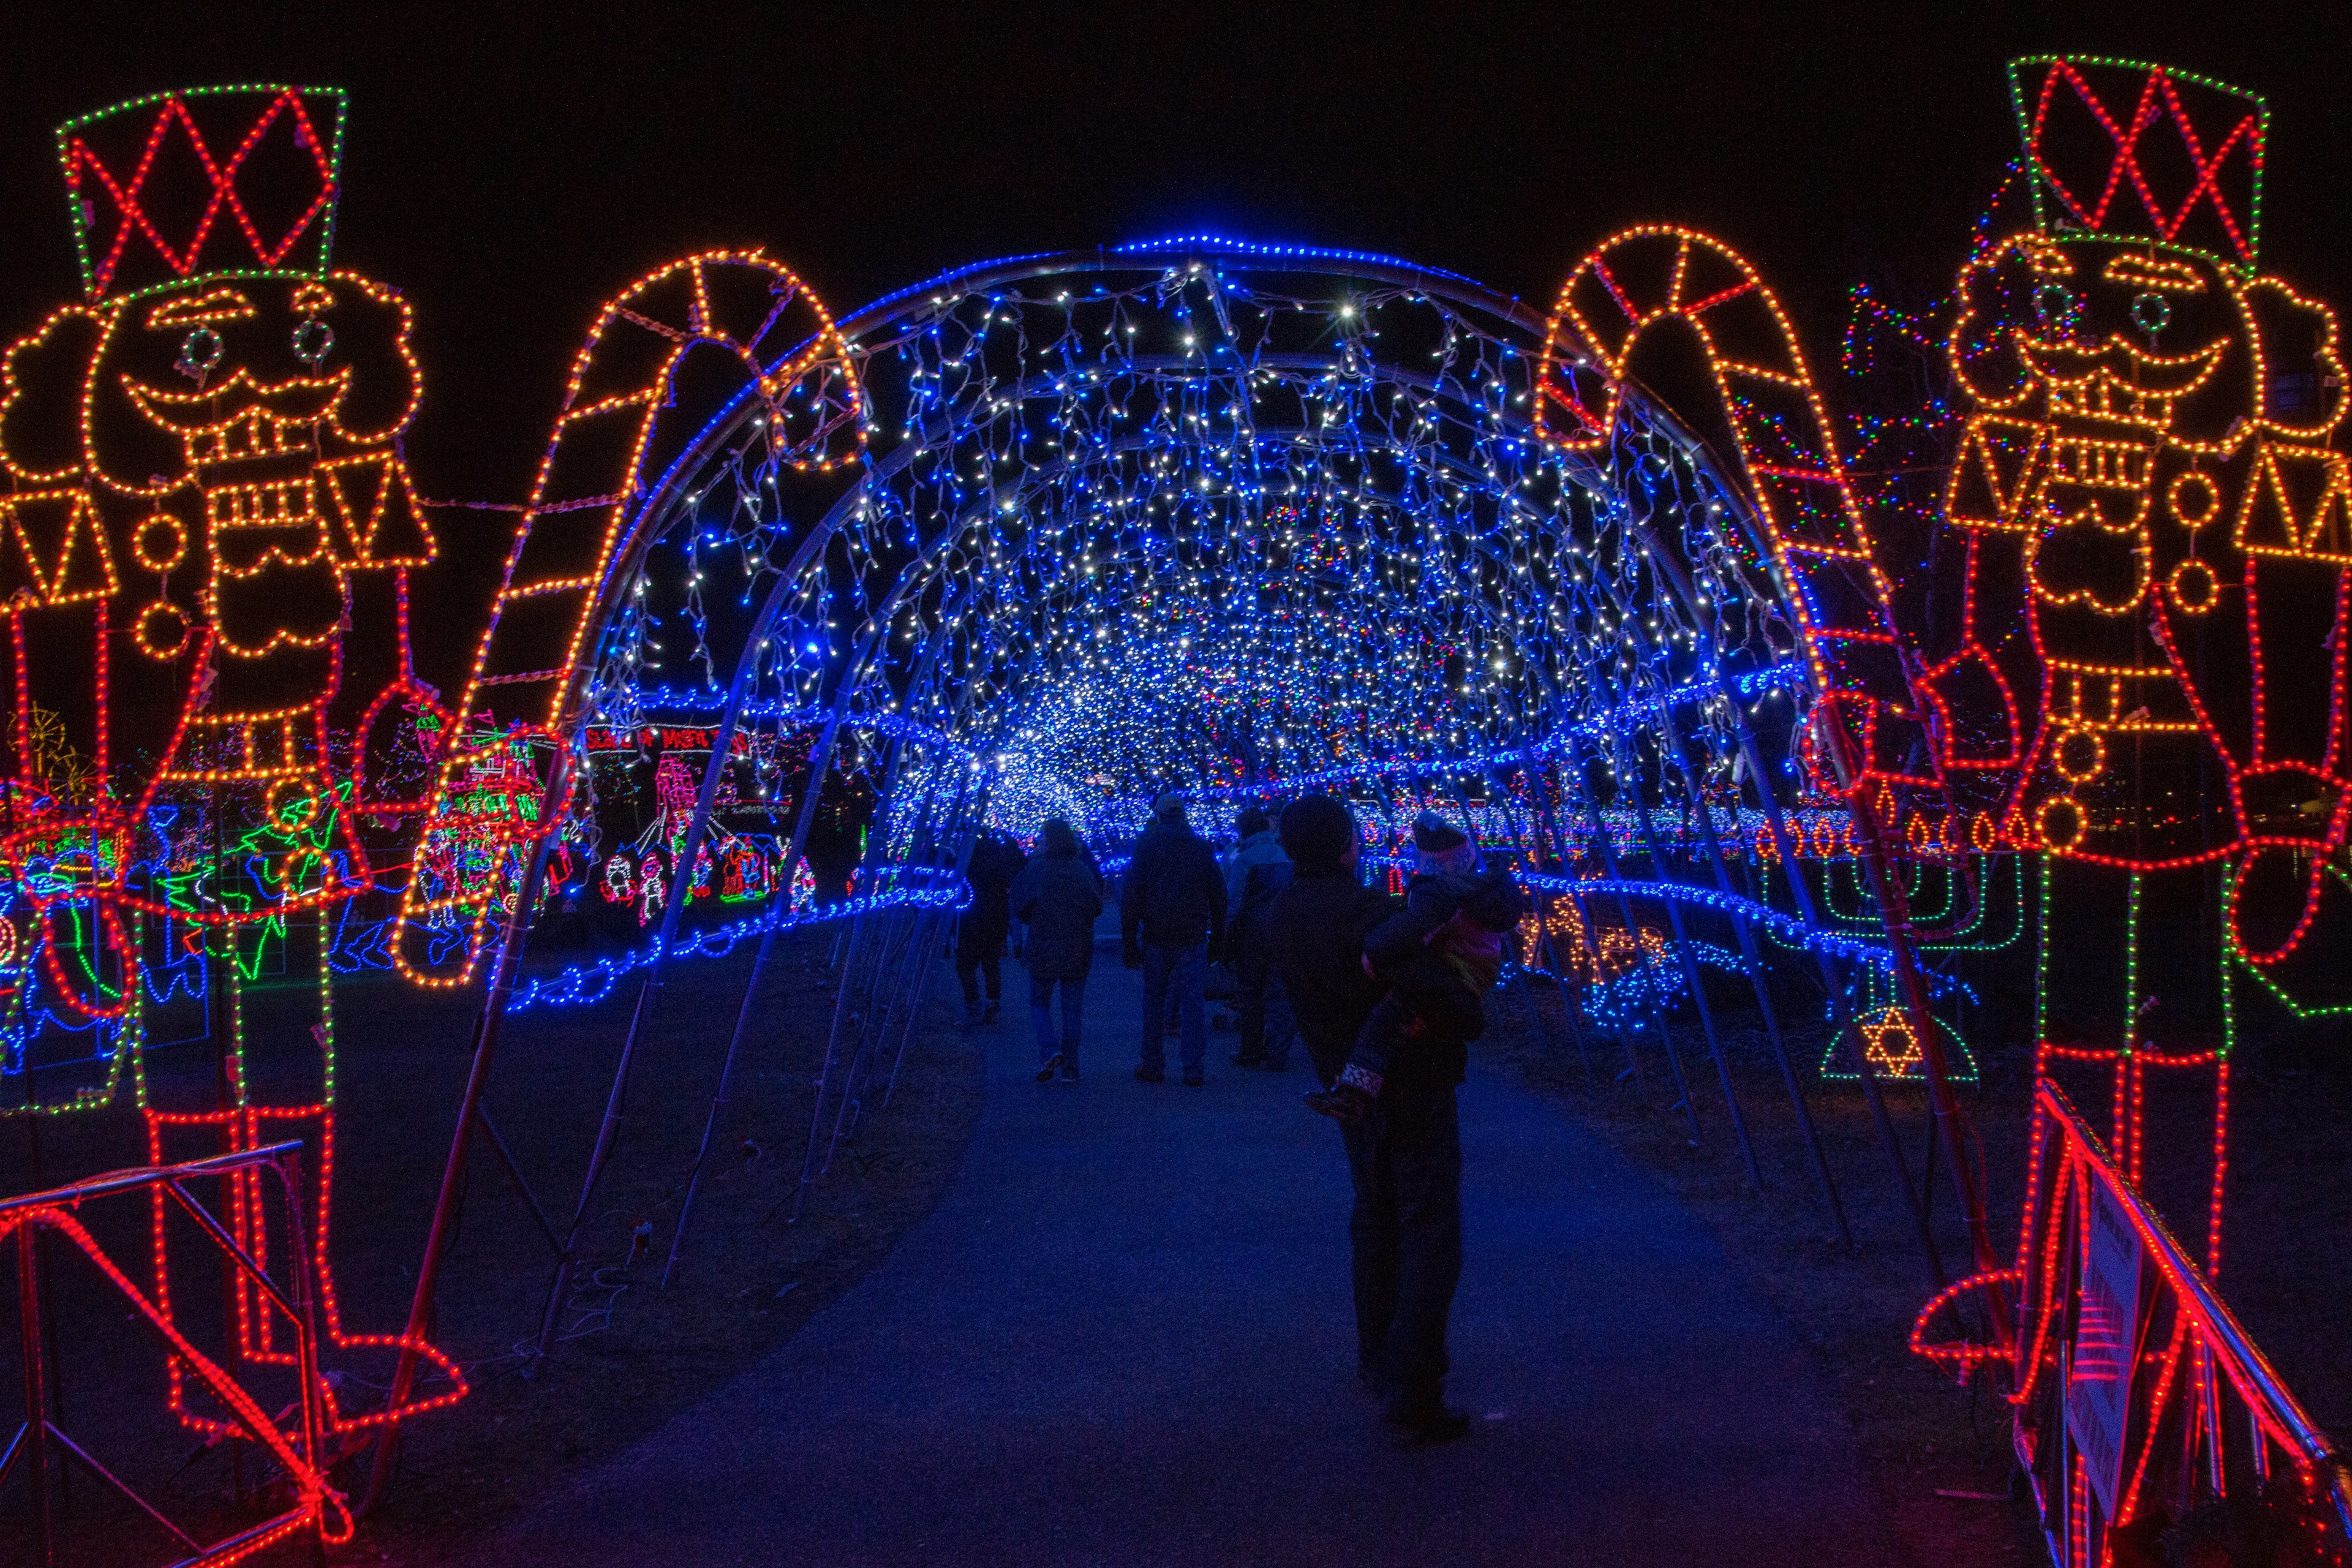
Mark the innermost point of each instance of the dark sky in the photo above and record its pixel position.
(510, 166)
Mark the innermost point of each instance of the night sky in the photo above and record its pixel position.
(509, 167)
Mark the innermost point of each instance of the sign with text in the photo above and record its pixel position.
(2106, 1342)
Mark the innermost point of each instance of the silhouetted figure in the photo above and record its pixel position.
(1439, 958)
(1057, 897)
(1172, 908)
(1256, 871)
(981, 929)
(1405, 1155)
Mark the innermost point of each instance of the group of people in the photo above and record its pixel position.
(1386, 993)
(1057, 893)
(1180, 909)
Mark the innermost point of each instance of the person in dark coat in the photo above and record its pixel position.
(1254, 873)
(1058, 898)
(1405, 1155)
(981, 929)
(1440, 957)
(1172, 909)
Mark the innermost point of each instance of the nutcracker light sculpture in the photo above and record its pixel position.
(2158, 537)
(205, 538)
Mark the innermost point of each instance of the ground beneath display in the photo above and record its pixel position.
(633, 1354)
(1124, 1336)
(1121, 1332)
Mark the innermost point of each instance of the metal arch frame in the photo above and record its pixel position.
(1439, 456)
(950, 425)
(947, 427)
(645, 525)
(1603, 481)
(892, 320)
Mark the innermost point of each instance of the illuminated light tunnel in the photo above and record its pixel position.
(799, 606)
(1239, 520)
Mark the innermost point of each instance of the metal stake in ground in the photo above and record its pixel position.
(1752, 955)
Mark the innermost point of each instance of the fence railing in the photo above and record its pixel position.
(2141, 1407)
(41, 1448)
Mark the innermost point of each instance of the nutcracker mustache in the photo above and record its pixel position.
(2115, 379)
(240, 419)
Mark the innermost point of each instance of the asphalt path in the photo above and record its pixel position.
(1124, 1337)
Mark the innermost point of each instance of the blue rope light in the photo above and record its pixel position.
(581, 985)
(689, 700)
(1299, 252)
(1618, 720)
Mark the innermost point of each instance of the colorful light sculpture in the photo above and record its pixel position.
(2159, 532)
(208, 532)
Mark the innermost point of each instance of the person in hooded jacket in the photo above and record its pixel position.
(1171, 910)
(1404, 1154)
(1256, 871)
(1440, 958)
(1057, 897)
(982, 928)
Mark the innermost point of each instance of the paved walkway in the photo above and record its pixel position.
(1124, 1337)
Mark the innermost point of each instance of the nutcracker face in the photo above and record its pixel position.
(2103, 372)
(2146, 420)
(232, 443)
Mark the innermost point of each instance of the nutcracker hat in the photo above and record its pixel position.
(180, 187)
(2129, 150)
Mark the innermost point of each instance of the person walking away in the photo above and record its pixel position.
(981, 929)
(1057, 897)
(1440, 958)
(1172, 909)
(1254, 873)
(1405, 1156)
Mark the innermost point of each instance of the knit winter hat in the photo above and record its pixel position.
(1434, 834)
(1317, 832)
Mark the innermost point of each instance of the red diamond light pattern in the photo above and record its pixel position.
(2161, 104)
(173, 117)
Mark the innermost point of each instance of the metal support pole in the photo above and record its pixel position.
(1634, 935)
(719, 1095)
(451, 1199)
(49, 1280)
(289, 1169)
(681, 887)
(1753, 956)
(1692, 978)
(35, 1435)
(779, 905)
(1950, 1121)
(937, 925)
(831, 1051)
(1624, 1036)
(1539, 819)
(872, 1020)
(874, 1025)
(1841, 1010)
(1620, 1024)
